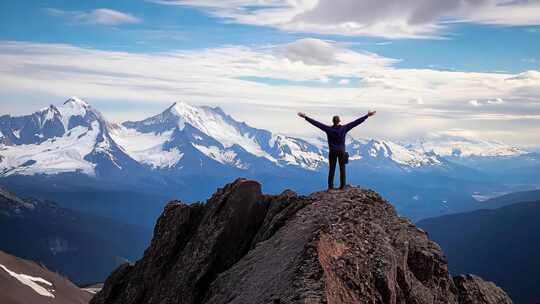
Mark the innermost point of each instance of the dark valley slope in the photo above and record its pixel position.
(509, 199)
(502, 245)
(84, 248)
(246, 247)
(135, 204)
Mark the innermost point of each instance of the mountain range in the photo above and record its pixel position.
(500, 244)
(75, 137)
(187, 151)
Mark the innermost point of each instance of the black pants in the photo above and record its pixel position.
(333, 157)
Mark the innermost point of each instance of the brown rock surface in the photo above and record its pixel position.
(245, 247)
(20, 278)
(474, 290)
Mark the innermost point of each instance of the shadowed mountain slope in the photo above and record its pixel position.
(83, 247)
(501, 245)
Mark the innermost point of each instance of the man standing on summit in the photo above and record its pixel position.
(336, 144)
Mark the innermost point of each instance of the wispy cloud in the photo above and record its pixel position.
(103, 16)
(412, 99)
(390, 18)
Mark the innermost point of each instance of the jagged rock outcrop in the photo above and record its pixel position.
(473, 290)
(246, 247)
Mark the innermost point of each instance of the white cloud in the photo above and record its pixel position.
(254, 80)
(416, 101)
(324, 79)
(344, 81)
(475, 103)
(103, 16)
(478, 103)
(389, 18)
(459, 133)
(311, 51)
(528, 75)
(495, 101)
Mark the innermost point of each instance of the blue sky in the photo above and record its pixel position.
(465, 47)
(432, 61)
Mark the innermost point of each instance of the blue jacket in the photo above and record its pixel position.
(336, 134)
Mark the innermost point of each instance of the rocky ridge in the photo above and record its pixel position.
(246, 247)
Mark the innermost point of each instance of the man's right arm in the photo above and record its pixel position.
(317, 124)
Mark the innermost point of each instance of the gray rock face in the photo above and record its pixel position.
(246, 247)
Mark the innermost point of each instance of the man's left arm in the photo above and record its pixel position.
(358, 121)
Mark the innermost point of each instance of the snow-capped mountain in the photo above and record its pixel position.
(75, 137)
(163, 140)
(460, 143)
(384, 149)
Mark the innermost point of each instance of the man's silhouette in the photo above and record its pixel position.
(336, 144)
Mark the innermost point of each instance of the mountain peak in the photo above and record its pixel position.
(329, 247)
(76, 102)
(51, 108)
(183, 109)
(180, 103)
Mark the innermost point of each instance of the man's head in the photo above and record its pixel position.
(336, 120)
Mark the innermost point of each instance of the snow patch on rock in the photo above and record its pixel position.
(32, 282)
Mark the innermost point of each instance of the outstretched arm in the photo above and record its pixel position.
(360, 120)
(317, 124)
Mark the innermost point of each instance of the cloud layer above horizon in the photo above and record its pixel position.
(389, 19)
(313, 74)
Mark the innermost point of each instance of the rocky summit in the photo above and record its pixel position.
(242, 246)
